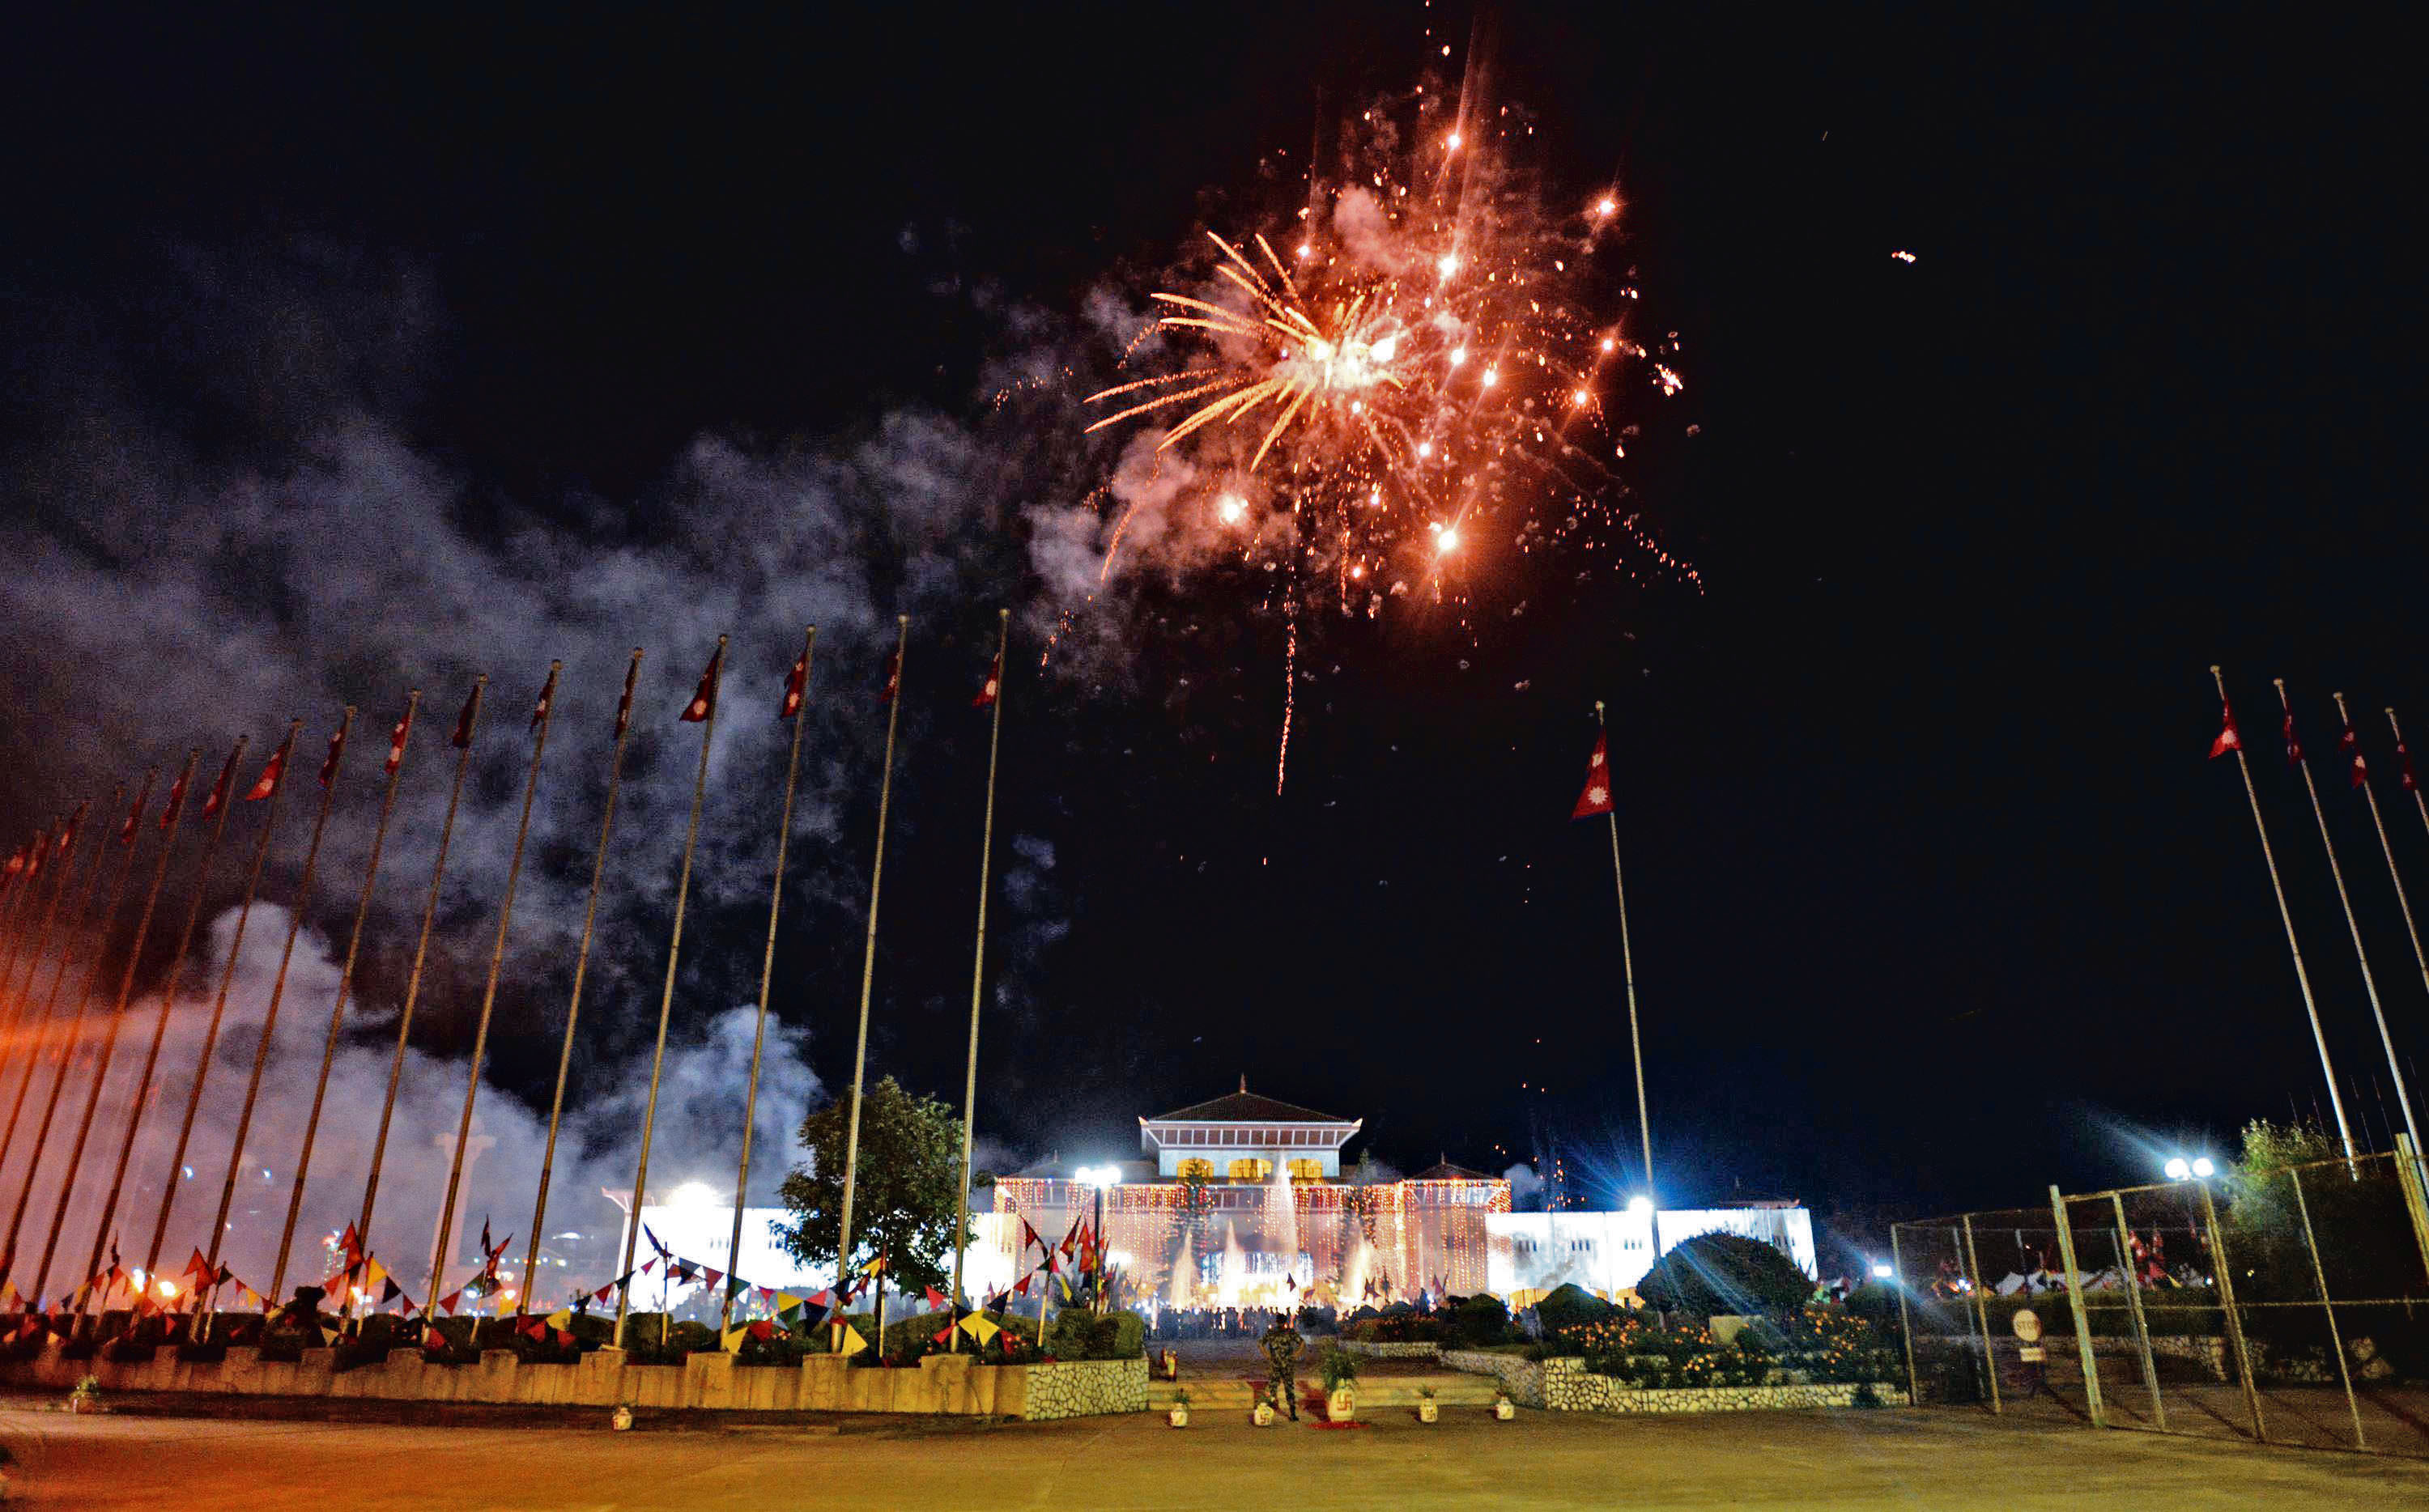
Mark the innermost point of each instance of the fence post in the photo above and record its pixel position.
(2415, 1196)
(2134, 1299)
(1982, 1313)
(2320, 1274)
(1906, 1319)
(2222, 1275)
(2074, 1301)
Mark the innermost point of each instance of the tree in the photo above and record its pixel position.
(1725, 1272)
(904, 1204)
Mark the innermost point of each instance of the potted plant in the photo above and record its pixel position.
(87, 1395)
(1502, 1408)
(1429, 1410)
(1178, 1416)
(1339, 1371)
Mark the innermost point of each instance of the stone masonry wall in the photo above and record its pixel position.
(1522, 1379)
(1562, 1383)
(1081, 1388)
(1400, 1350)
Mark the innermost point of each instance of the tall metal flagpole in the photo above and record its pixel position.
(703, 707)
(2302, 976)
(25, 1025)
(542, 717)
(581, 968)
(867, 974)
(140, 1102)
(41, 1023)
(118, 1011)
(1628, 974)
(168, 1186)
(303, 907)
(2402, 1096)
(796, 689)
(2368, 981)
(994, 695)
(395, 766)
(28, 932)
(462, 740)
(75, 1031)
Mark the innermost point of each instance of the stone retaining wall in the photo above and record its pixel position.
(943, 1384)
(1399, 1351)
(1562, 1383)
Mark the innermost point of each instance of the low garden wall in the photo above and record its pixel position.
(942, 1383)
(1397, 1351)
(1562, 1383)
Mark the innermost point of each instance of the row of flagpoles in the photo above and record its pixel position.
(2229, 741)
(46, 906)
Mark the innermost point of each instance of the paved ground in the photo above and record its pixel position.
(1937, 1460)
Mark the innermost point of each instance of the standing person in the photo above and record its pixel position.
(1282, 1347)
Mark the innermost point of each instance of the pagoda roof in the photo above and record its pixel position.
(1245, 1107)
(1445, 1171)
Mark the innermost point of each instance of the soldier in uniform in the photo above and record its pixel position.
(1282, 1347)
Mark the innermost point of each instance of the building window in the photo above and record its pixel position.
(1195, 1171)
(1306, 1170)
(1248, 1168)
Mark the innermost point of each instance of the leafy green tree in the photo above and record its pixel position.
(2357, 1216)
(903, 1204)
(1725, 1272)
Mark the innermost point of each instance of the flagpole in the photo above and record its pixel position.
(1635, 1043)
(76, 1030)
(141, 1101)
(2302, 975)
(666, 998)
(766, 973)
(867, 974)
(977, 967)
(24, 1018)
(270, 1018)
(219, 1005)
(117, 1020)
(2370, 983)
(465, 725)
(581, 967)
(337, 1009)
(547, 713)
(41, 1022)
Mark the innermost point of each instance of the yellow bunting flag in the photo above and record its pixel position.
(852, 1344)
(732, 1338)
(979, 1326)
(561, 1318)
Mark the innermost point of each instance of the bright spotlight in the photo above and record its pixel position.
(1230, 508)
(1099, 1176)
(2178, 1169)
(1606, 206)
(1883, 1270)
(1639, 1204)
(1446, 264)
(694, 1194)
(2203, 1168)
(1446, 540)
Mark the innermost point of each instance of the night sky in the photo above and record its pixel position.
(1934, 898)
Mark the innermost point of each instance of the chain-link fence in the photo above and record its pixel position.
(2290, 1307)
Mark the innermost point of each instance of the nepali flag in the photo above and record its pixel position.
(134, 822)
(547, 696)
(936, 1298)
(993, 685)
(2403, 766)
(2293, 740)
(1597, 797)
(268, 783)
(2349, 744)
(176, 803)
(893, 676)
(336, 753)
(625, 707)
(462, 738)
(703, 701)
(217, 794)
(797, 682)
(2228, 739)
(396, 742)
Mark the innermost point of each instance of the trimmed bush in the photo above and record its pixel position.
(1725, 1272)
(1572, 1306)
(1479, 1321)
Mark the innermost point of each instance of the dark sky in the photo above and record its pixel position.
(1934, 898)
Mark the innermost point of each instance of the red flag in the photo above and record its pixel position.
(396, 739)
(463, 735)
(624, 709)
(177, 803)
(893, 676)
(2227, 738)
(703, 701)
(68, 831)
(452, 1298)
(547, 691)
(2350, 744)
(134, 822)
(218, 792)
(763, 1330)
(17, 861)
(267, 782)
(2404, 763)
(935, 1298)
(993, 685)
(796, 682)
(1596, 798)
(337, 753)
(34, 857)
(2293, 742)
